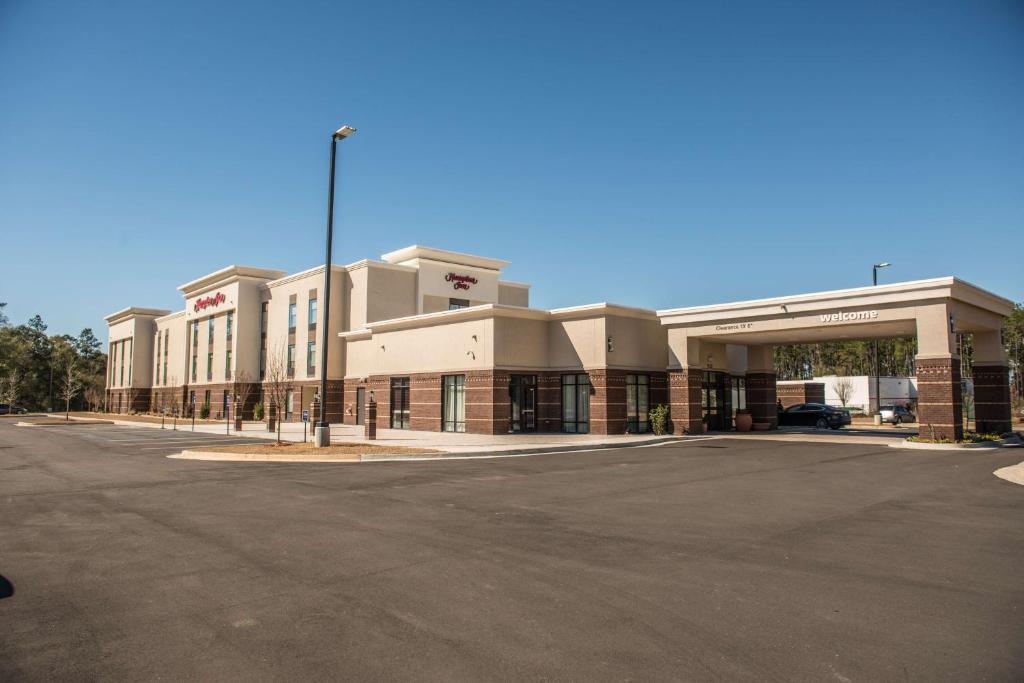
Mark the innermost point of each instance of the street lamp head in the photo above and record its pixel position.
(343, 132)
(883, 264)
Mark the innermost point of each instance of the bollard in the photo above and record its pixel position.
(370, 423)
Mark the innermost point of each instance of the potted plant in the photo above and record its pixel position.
(744, 420)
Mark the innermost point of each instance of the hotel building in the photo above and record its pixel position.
(441, 342)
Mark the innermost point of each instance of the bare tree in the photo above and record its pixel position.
(93, 396)
(843, 387)
(277, 384)
(70, 383)
(11, 385)
(243, 388)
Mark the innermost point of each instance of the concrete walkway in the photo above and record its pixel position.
(443, 441)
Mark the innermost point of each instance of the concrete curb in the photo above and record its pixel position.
(1013, 442)
(1013, 474)
(410, 457)
(70, 423)
(380, 457)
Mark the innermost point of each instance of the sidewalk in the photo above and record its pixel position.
(448, 442)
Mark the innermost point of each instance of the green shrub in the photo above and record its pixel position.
(257, 411)
(658, 417)
(204, 411)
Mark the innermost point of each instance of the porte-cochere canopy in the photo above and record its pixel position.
(738, 338)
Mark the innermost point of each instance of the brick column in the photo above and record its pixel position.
(939, 409)
(684, 400)
(487, 402)
(761, 398)
(608, 401)
(991, 398)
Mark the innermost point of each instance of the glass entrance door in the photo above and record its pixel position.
(712, 399)
(637, 403)
(399, 402)
(522, 391)
(576, 403)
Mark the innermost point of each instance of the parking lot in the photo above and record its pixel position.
(723, 559)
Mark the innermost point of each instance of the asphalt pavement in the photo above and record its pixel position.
(703, 560)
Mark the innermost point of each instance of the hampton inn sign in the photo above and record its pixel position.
(488, 363)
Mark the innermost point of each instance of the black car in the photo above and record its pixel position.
(8, 410)
(813, 415)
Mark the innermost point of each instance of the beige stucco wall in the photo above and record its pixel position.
(390, 293)
(173, 326)
(460, 346)
(512, 295)
(520, 343)
(638, 343)
(277, 324)
(430, 281)
(137, 332)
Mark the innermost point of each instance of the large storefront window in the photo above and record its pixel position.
(522, 391)
(712, 400)
(576, 403)
(637, 403)
(453, 403)
(399, 402)
(738, 395)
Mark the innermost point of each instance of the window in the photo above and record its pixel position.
(263, 339)
(310, 358)
(195, 362)
(131, 352)
(453, 403)
(209, 366)
(209, 329)
(289, 404)
(311, 313)
(291, 317)
(195, 334)
(637, 387)
(156, 380)
(291, 360)
(522, 391)
(227, 364)
(121, 379)
(576, 403)
(230, 323)
(456, 304)
(399, 402)
(167, 343)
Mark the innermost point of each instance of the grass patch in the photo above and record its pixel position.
(969, 437)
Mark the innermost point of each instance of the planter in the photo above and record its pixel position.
(744, 421)
(762, 426)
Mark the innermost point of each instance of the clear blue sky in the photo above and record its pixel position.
(651, 154)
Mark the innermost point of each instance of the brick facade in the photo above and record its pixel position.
(939, 399)
(991, 398)
(684, 400)
(761, 398)
(127, 401)
(488, 405)
(804, 392)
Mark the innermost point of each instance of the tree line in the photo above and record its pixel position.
(39, 371)
(895, 357)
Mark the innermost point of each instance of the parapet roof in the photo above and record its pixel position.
(416, 251)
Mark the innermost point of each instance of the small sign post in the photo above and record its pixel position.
(305, 423)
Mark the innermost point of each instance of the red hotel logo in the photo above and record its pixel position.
(206, 302)
(461, 281)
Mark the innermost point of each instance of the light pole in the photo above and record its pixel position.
(322, 436)
(874, 343)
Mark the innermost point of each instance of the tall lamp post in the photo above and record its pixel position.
(874, 343)
(322, 435)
